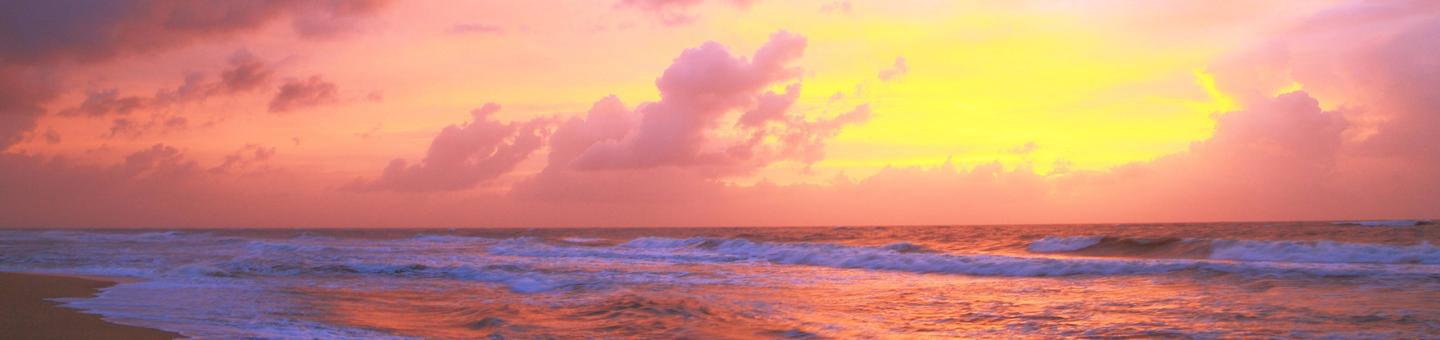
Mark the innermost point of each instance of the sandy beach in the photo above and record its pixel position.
(27, 314)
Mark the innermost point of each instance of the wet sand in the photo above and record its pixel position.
(25, 312)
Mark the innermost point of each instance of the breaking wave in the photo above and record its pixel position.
(888, 258)
(1241, 250)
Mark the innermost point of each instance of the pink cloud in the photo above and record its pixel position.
(249, 155)
(896, 71)
(673, 12)
(679, 138)
(462, 156)
(303, 93)
(246, 73)
(23, 92)
(476, 29)
(842, 6)
(700, 89)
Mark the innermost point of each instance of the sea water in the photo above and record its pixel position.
(1369, 279)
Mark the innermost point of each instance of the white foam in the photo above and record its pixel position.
(662, 242)
(881, 258)
(1060, 244)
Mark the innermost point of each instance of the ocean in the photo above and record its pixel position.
(1378, 279)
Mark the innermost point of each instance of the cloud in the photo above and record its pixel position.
(302, 93)
(107, 102)
(46, 31)
(673, 12)
(684, 135)
(246, 73)
(462, 156)
(39, 34)
(52, 137)
(1374, 56)
(698, 91)
(23, 92)
(328, 19)
(842, 6)
(896, 71)
(1025, 149)
(245, 157)
(476, 29)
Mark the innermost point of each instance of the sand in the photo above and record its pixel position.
(26, 314)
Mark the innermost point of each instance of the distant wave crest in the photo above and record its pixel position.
(1241, 250)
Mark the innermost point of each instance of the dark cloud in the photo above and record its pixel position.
(302, 93)
(322, 19)
(23, 91)
(246, 73)
(36, 35)
(45, 31)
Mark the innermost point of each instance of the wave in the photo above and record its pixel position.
(703, 249)
(582, 240)
(1385, 223)
(1053, 244)
(1103, 246)
(1240, 250)
(1325, 252)
(520, 279)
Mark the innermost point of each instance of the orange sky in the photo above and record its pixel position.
(729, 112)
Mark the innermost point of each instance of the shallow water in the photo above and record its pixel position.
(1309, 279)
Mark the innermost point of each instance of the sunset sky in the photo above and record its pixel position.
(713, 113)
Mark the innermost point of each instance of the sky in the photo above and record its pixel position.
(372, 113)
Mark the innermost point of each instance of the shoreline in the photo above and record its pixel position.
(29, 314)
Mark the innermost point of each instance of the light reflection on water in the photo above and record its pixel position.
(1198, 280)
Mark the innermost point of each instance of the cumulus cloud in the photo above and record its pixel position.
(1374, 56)
(303, 93)
(684, 135)
(699, 90)
(462, 156)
